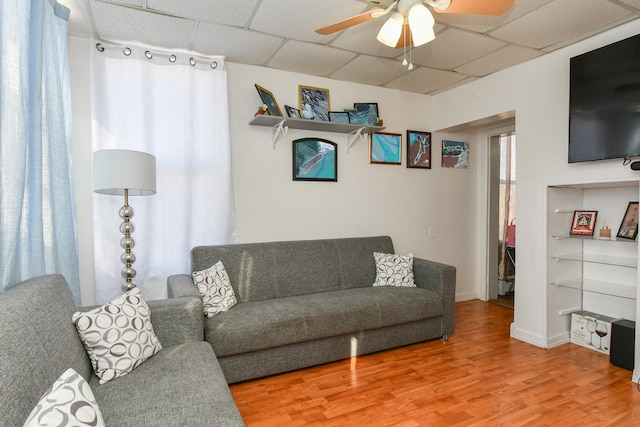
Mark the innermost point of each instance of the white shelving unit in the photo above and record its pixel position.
(589, 273)
(280, 125)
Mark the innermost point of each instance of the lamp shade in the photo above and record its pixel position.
(421, 24)
(390, 32)
(117, 170)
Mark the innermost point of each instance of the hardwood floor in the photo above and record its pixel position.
(480, 377)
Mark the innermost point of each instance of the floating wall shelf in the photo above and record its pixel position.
(280, 125)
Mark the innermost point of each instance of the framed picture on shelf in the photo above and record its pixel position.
(269, 100)
(385, 148)
(314, 102)
(294, 113)
(583, 223)
(366, 113)
(629, 226)
(339, 116)
(418, 149)
(315, 159)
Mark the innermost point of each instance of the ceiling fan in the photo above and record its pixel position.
(412, 23)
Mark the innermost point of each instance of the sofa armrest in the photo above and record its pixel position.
(439, 278)
(181, 285)
(178, 320)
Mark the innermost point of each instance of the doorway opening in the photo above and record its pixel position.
(502, 286)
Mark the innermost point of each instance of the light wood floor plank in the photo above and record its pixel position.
(480, 377)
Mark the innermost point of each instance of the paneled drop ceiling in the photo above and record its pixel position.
(281, 34)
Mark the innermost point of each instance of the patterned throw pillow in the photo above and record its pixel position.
(68, 402)
(215, 287)
(394, 270)
(118, 336)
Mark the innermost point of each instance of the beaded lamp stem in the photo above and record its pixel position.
(127, 243)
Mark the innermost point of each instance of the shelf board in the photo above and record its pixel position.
(315, 125)
(598, 287)
(599, 259)
(595, 238)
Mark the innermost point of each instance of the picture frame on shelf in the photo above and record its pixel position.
(269, 100)
(418, 149)
(366, 113)
(629, 225)
(353, 115)
(385, 148)
(583, 223)
(315, 159)
(339, 117)
(314, 102)
(292, 112)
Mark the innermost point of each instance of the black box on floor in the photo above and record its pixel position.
(623, 338)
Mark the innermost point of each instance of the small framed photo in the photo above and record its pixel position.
(584, 222)
(339, 116)
(629, 226)
(455, 154)
(294, 113)
(366, 113)
(385, 148)
(269, 100)
(315, 159)
(418, 149)
(314, 103)
(353, 115)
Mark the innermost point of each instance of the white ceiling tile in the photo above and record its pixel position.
(245, 47)
(424, 80)
(506, 57)
(309, 58)
(79, 18)
(138, 3)
(632, 3)
(236, 12)
(452, 48)
(370, 70)
(560, 20)
(362, 39)
(299, 19)
(115, 23)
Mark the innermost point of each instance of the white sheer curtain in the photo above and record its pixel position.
(37, 202)
(179, 113)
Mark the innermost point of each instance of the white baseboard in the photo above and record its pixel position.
(527, 337)
(466, 296)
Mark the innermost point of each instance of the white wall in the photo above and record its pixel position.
(367, 199)
(538, 91)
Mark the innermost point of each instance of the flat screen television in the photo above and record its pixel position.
(604, 102)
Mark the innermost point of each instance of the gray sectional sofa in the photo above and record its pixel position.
(182, 385)
(304, 303)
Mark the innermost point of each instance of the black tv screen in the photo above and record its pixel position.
(604, 102)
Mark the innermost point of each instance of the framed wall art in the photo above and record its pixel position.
(418, 149)
(629, 226)
(385, 148)
(339, 116)
(455, 154)
(366, 113)
(269, 100)
(583, 224)
(294, 113)
(314, 102)
(315, 159)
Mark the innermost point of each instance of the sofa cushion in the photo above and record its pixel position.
(215, 289)
(118, 336)
(394, 270)
(259, 325)
(182, 385)
(68, 402)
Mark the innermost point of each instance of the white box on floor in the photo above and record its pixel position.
(591, 330)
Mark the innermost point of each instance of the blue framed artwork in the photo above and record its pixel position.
(314, 103)
(455, 154)
(366, 113)
(418, 149)
(385, 148)
(315, 159)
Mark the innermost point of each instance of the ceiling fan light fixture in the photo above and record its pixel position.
(421, 23)
(391, 30)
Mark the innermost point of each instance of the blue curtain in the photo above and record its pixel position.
(38, 232)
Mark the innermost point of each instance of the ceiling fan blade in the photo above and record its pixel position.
(477, 7)
(350, 22)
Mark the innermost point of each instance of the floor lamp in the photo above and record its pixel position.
(128, 173)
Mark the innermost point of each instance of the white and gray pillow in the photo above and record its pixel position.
(69, 402)
(394, 270)
(118, 336)
(216, 290)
